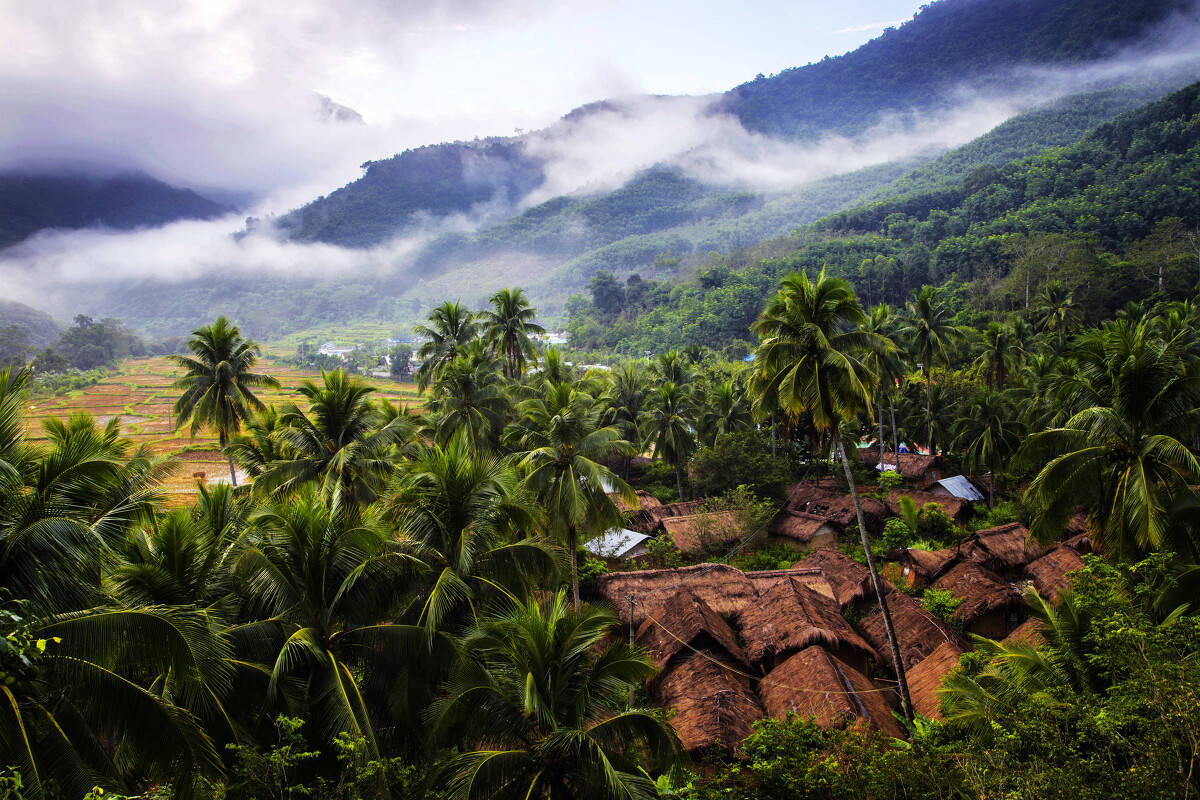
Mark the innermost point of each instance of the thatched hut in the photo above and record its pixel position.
(1081, 543)
(713, 705)
(917, 469)
(791, 617)
(646, 519)
(804, 531)
(918, 632)
(725, 589)
(765, 580)
(925, 678)
(1028, 632)
(955, 508)
(916, 567)
(1051, 573)
(851, 581)
(814, 683)
(988, 606)
(645, 501)
(686, 624)
(822, 499)
(695, 533)
(1005, 548)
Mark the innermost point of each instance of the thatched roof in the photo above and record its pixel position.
(712, 704)
(1028, 632)
(823, 500)
(918, 632)
(645, 500)
(925, 678)
(801, 527)
(815, 683)
(1050, 573)
(646, 518)
(850, 580)
(688, 622)
(725, 589)
(695, 532)
(912, 466)
(791, 617)
(980, 590)
(1003, 548)
(956, 508)
(927, 564)
(1081, 543)
(812, 577)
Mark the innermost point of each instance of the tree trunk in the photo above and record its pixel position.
(901, 678)
(895, 436)
(573, 548)
(929, 408)
(992, 489)
(679, 481)
(879, 441)
(772, 436)
(232, 471)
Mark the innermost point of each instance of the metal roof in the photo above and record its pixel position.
(959, 486)
(615, 543)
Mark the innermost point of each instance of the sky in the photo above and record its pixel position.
(219, 93)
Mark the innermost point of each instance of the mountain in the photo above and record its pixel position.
(33, 202)
(24, 330)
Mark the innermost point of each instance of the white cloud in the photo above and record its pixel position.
(870, 26)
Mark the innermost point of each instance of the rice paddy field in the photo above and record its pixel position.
(140, 394)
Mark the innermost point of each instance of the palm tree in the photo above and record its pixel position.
(538, 701)
(670, 427)
(563, 450)
(1056, 313)
(674, 367)
(1121, 459)
(469, 397)
(450, 328)
(256, 449)
(218, 382)
(625, 403)
(332, 583)
(987, 435)
(929, 333)
(810, 338)
(508, 326)
(471, 519)
(343, 443)
(999, 356)
(882, 360)
(726, 410)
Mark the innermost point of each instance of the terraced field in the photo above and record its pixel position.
(140, 394)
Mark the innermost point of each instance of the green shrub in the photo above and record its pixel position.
(740, 459)
(940, 602)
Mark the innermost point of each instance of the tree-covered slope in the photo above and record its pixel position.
(29, 203)
(39, 328)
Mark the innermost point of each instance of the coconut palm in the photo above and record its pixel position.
(254, 450)
(563, 450)
(929, 333)
(882, 359)
(674, 367)
(725, 410)
(810, 343)
(218, 384)
(507, 325)
(999, 356)
(625, 403)
(671, 427)
(343, 443)
(987, 435)
(1121, 459)
(333, 583)
(538, 702)
(469, 398)
(451, 326)
(1055, 312)
(472, 520)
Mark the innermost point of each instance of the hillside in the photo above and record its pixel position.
(32, 202)
(40, 328)
(1111, 216)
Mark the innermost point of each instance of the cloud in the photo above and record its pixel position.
(870, 26)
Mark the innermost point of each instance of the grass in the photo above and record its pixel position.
(140, 393)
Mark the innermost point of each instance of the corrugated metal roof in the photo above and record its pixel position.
(615, 543)
(959, 486)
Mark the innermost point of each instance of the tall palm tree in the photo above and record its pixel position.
(882, 359)
(1055, 312)
(987, 434)
(929, 333)
(468, 513)
(469, 398)
(725, 410)
(563, 447)
(1121, 459)
(674, 367)
(671, 427)
(254, 450)
(343, 443)
(451, 326)
(508, 325)
(538, 701)
(333, 583)
(810, 342)
(625, 403)
(999, 355)
(217, 387)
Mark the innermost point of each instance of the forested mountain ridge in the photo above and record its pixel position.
(1113, 217)
(33, 202)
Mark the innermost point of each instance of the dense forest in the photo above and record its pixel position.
(404, 603)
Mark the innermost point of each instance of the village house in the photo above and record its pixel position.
(987, 605)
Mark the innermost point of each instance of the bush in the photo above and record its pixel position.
(896, 534)
(941, 603)
(740, 459)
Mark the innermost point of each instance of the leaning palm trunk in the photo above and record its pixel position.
(679, 481)
(895, 436)
(901, 679)
(929, 408)
(879, 441)
(573, 549)
(229, 456)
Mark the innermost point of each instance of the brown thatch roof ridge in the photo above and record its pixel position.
(765, 579)
(1028, 632)
(929, 564)
(954, 507)
(912, 465)
(925, 678)
(692, 533)
(725, 589)
(1002, 548)
(1051, 572)
(646, 519)
(918, 631)
(645, 501)
(850, 580)
(815, 683)
(823, 499)
(800, 526)
(711, 703)
(688, 622)
(792, 617)
(980, 590)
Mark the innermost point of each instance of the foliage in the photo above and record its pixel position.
(940, 602)
(739, 459)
